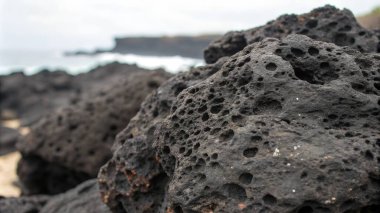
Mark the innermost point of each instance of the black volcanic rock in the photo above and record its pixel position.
(69, 145)
(31, 204)
(287, 125)
(325, 24)
(133, 180)
(186, 46)
(31, 97)
(84, 198)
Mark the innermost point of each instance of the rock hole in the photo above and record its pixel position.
(303, 175)
(271, 67)
(305, 209)
(311, 24)
(324, 65)
(182, 150)
(236, 118)
(205, 117)
(269, 199)
(178, 209)
(214, 156)
(297, 52)
(202, 109)
(368, 155)
(234, 191)
(303, 75)
(216, 109)
(227, 135)
(256, 138)
(250, 152)
(166, 150)
(377, 86)
(313, 51)
(245, 178)
(177, 88)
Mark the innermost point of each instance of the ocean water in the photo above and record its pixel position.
(32, 61)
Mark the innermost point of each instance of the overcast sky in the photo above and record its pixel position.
(73, 24)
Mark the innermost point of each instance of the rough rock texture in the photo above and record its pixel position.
(38, 176)
(325, 24)
(84, 198)
(28, 97)
(59, 152)
(133, 181)
(31, 204)
(283, 126)
(8, 139)
(31, 97)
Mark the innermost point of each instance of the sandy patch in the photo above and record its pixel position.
(8, 165)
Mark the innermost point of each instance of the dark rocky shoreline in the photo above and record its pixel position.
(284, 118)
(185, 46)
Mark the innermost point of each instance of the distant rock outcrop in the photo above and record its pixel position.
(327, 24)
(185, 46)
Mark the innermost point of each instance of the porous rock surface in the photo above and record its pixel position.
(29, 97)
(69, 145)
(84, 198)
(31, 204)
(325, 24)
(133, 180)
(287, 125)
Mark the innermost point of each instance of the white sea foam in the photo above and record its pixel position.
(30, 62)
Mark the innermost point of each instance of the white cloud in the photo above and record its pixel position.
(70, 24)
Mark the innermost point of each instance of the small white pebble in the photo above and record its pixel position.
(295, 147)
(293, 190)
(299, 115)
(297, 99)
(276, 152)
(288, 164)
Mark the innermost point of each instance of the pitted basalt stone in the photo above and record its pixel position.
(327, 24)
(287, 125)
(30, 97)
(78, 139)
(133, 180)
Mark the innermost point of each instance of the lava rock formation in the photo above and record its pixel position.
(68, 146)
(287, 125)
(326, 23)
